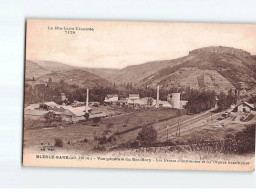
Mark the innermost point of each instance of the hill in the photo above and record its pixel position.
(33, 69)
(76, 77)
(136, 73)
(106, 73)
(214, 68)
(58, 66)
(55, 66)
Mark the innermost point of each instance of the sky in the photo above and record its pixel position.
(119, 44)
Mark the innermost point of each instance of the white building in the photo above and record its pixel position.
(183, 103)
(50, 105)
(73, 114)
(244, 107)
(134, 96)
(110, 98)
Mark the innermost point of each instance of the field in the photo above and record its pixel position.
(80, 132)
(200, 133)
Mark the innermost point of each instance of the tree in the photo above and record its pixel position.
(86, 115)
(49, 83)
(148, 135)
(96, 120)
(51, 116)
(150, 101)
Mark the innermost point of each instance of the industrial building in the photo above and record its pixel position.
(111, 98)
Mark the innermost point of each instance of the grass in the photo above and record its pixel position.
(69, 133)
(111, 135)
(205, 143)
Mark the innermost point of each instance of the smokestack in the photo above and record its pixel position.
(87, 101)
(157, 97)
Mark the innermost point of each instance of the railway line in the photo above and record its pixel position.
(187, 125)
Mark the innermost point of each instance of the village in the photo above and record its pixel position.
(77, 110)
(117, 122)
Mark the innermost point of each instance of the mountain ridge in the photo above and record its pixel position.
(235, 68)
(215, 68)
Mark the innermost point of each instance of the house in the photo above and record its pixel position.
(35, 114)
(244, 107)
(63, 96)
(140, 102)
(95, 104)
(123, 101)
(32, 107)
(77, 103)
(97, 114)
(110, 98)
(134, 96)
(83, 108)
(63, 108)
(131, 99)
(183, 103)
(73, 114)
(49, 105)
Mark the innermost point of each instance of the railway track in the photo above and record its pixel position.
(187, 124)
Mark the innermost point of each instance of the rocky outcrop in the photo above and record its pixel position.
(221, 50)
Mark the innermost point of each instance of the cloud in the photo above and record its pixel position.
(119, 44)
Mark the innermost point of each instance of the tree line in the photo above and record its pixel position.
(198, 101)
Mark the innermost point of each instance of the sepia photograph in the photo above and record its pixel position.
(139, 95)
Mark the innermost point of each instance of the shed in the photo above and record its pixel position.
(244, 107)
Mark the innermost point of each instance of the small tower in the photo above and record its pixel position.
(176, 100)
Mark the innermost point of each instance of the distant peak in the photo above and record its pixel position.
(220, 50)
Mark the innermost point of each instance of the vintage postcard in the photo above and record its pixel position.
(140, 95)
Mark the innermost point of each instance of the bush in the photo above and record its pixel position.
(99, 148)
(147, 136)
(102, 140)
(85, 140)
(51, 117)
(241, 143)
(58, 142)
(109, 125)
(96, 120)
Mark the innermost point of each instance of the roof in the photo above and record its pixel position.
(51, 104)
(83, 108)
(35, 105)
(164, 103)
(77, 111)
(140, 101)
(134, 95)
(122, 100)
(99, 114)
(66, 107)
(36, 112)
(183, 102)
(28, 108)
(111, 95)
(58, 113)
(249, 105)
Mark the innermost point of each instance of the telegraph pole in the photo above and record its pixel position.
(167, 132)
(178, 129)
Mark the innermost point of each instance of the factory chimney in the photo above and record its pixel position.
(157, 97)
(87, 101)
